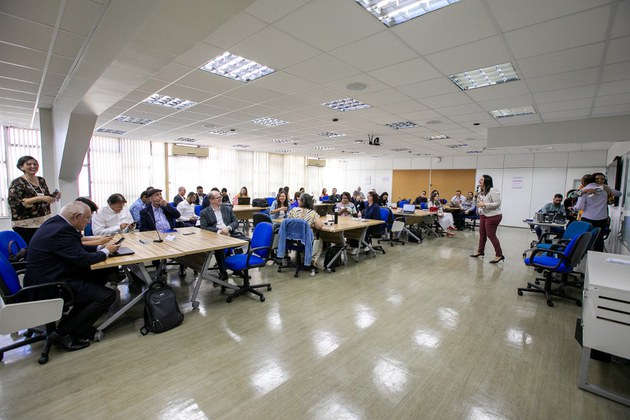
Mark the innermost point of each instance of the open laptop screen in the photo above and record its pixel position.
(409, 208)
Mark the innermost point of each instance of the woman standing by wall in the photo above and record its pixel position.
(29, 199)
(489, 209)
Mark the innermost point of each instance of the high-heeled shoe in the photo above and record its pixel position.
(501, 258)
(477, 255)
(449, 234)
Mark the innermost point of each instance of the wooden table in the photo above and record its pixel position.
(346, 228)
(190, 246)
(246, 211)
(329, 207)
(412, 219)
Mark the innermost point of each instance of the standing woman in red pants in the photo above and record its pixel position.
(489, 209)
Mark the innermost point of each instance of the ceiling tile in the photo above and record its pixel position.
(67, 45)
(471, 56)
(617, 71)
(568, 60)
(429, 88)
(565, 94)
(20, 73)
(44, 12)
(79, 16)
(558, 34)
(622, 17)
(503, 90)
(272, 10)
(566, 115)
(374, 52)
(235, 31)
(322, 69)
(612, 88)
(618, 50)
(390, 97)
(22, 56)
(572, 105)
(443, 101)
(469, 17)
(564, 80)
(284, 83)
(411, 71)
(618, 99)
(24, 33)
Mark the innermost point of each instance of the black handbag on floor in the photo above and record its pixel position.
(161, 311)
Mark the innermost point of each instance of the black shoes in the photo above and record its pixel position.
(497, 260)
(479, 254)
(67, 342)
(223, 276)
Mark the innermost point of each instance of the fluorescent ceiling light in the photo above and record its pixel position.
(455, 146)
(268, 122)
(281, 140)
(186, 140)
(393, 12)
(438, 137)
(236, 67)
(474, 151)
(285, 151)
(218, 132)
(240, 146)
(169, 101)
(133, 120)
(110, 131)
(331, 134)
(347, 104)
(402, 125)
(400, 150)
(487, 76)
(323, 148)
(512, 112)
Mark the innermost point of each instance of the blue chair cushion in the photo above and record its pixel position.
(238, 262)
(547, 261)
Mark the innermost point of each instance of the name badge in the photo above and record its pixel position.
(40, 194)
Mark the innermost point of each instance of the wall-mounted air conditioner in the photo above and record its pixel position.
(178, 150)
(316, 162)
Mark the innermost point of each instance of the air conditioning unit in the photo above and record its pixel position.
(316, 162)
(178, 150)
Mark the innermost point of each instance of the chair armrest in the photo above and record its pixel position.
(55, 285)
(251, 251)
(546, 251)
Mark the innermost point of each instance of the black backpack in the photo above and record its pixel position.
(161, 312)
(330, 254)
(260, 202)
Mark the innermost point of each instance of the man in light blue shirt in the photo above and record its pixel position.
(137, 206)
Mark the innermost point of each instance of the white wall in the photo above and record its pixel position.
(527, 181)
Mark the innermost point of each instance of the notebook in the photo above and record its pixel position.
(244, 201)
(123, 250)
(409, 208)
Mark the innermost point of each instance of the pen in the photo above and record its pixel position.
(142, 242)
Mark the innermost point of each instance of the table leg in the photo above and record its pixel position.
(583, 384)
(200, 276)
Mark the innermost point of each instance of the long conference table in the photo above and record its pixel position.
(346, 228)
(190, 246)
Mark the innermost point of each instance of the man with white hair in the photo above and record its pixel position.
(56, 254)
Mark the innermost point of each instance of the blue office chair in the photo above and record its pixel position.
(88, 230)
(470, 220)
(560, 262)
(424, 206)
(198, 209)
(573, 229)
(18, 302)
(378, 231)
(10, 244)
(296, 235)
(257, 255)
(270, 200)
(401, 203)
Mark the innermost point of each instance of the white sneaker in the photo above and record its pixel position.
(366, 249)
(354, 251)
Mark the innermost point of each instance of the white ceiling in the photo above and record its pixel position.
(573, 57)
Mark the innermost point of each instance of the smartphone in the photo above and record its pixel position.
(119, 241)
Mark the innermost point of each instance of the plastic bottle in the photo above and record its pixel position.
(336, 216)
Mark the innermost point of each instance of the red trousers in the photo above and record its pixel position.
(488, 230)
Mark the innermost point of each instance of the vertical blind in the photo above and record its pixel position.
(129, 166)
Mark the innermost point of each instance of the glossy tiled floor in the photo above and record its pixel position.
(424, 332)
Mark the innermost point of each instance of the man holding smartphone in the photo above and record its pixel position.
(114, 218)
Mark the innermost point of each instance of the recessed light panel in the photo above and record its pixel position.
(218, 132)
(281, 141)
(268, 122)
(169, 101)
(347, 104)
(186, 140)
(487, 76)
(285, 151)
(240, 146)
(331, 134)
(394, 12)
(513, 112)
(402, 125)
(474, 151)
(110, 131)
(438, 137)
(323, 148)
(133, 120)
(236, 68)
(457, 146)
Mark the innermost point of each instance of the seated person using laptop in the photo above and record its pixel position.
(241, 194)
(555, 206)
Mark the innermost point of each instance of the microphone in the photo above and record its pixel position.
(159, 239)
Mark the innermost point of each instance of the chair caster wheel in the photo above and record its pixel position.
(1, 356)
(28, 334)
(195, 304)
(296, 275)
(520, 292)
(579, 304)
(269, 288)
(42, 360)
(229, 299)
(262, 298)
(550, 304)
(98, 335)
(279, 270)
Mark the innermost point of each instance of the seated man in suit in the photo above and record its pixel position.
(219, 219)
(200, 195)
(181, 196)
(158, 215)
(56, 254)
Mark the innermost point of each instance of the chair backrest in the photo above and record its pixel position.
(270, 200)
(261, 217)
(402, 203)
(594, 234)
(387, 216)
(574, 252)
(575, 228)
(262, 236)
(8, 236)
(88, 230)
(198, 209)
(424, 206)
(9, 282)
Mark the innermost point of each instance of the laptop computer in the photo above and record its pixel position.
(123, 250)
(321, 210)
(244, 201)
(409, 208)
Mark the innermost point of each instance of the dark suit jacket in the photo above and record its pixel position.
(56, 254)
(177, 199)
(147, 219)
(199, 201)
(209, 221)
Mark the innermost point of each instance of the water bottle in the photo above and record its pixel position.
(336, 216)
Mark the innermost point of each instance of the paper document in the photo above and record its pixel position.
(618, 261)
